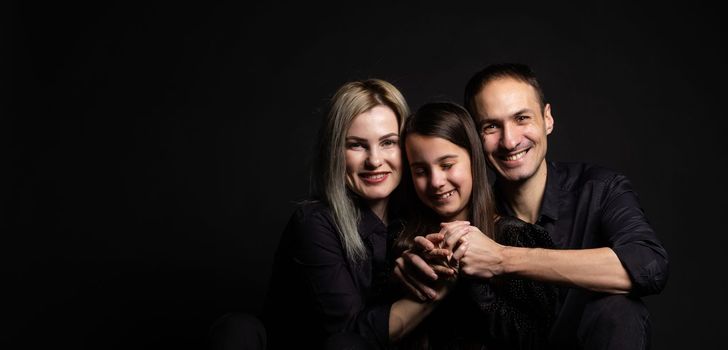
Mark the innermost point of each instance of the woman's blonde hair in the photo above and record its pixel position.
(329, 177)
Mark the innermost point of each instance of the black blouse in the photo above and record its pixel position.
(315, 291)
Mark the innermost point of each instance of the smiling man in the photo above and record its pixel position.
(606, 255)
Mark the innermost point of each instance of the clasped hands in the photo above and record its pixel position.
(430, 268)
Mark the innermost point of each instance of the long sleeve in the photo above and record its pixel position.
(633, 239)
(333, 295)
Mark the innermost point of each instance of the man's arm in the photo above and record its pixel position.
(594, 269)
(634, 261)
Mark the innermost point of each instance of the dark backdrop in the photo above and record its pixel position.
(153, 153)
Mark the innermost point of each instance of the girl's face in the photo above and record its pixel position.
(373, 158)
(441, 174)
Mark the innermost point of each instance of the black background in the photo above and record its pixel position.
(155, 152)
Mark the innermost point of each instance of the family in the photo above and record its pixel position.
(448, 228)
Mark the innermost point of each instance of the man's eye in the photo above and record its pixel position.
(489, 128)
(521, 118)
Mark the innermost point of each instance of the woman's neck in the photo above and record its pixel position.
(379, 208)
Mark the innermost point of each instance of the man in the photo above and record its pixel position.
(606, 257)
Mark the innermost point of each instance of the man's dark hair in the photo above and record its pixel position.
(517, 71)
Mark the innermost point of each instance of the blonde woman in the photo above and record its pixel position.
(331, 272)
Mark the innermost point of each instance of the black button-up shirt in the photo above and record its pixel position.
(586, 206)
(315, 291)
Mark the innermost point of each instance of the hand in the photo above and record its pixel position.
(415, 274)
(430, 267)
(483, 258)
(453, 234)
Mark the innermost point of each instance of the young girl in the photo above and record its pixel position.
(447, 183)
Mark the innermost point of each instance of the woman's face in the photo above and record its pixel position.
(373, 158)
(441, 175)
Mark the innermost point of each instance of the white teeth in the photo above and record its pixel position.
(445, 195)
(374, 176)
(516, 156)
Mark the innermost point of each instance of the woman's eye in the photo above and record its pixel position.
(447, 166)
(354, 145)
(388, 143)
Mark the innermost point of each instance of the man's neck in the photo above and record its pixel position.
(524, 198)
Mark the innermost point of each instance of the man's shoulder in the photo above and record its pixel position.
(578, 174)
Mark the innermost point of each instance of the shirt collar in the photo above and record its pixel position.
(551, 196)
(369, 222)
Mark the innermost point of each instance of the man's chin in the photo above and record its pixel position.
(512, 175)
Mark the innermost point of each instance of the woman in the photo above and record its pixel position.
(331, 270)
(447, 173)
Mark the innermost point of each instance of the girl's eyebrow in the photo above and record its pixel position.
(440, 159)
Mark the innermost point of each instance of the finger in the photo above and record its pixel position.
(451, 228)
(456, 235)
(436, 238)
(418, 264)
(444, 270)
(460, 252)
(438, 254)
(415, 280)
(425, 243)
(405, 281)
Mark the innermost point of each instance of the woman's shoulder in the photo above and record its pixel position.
(311, 207)
(311, 236)
(311, 219)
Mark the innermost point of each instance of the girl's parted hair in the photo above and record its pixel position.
(451, 122)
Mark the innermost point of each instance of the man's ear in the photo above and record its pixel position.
(548, 118)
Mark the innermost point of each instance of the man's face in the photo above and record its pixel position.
(513, 128)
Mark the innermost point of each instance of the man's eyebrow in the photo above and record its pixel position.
(485, 120)
(523, 111)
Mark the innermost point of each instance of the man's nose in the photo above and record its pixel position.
(510, 137)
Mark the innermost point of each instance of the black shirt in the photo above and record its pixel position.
(586, 206)
(315, 291)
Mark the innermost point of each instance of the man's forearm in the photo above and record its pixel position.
(596, 269)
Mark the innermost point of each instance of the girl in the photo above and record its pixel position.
(447, 180)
